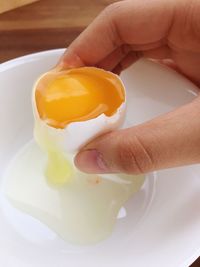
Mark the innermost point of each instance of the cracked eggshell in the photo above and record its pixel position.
(76, 134)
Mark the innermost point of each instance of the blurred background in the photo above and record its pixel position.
(44, 24)
(28, 26)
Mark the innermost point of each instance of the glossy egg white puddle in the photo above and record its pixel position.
(84, 211)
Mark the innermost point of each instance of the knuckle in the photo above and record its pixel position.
(110, 14)
(133, 157)
(187, 20)
(127, 160)
(194, 23)
(125, 49)
(112, 8)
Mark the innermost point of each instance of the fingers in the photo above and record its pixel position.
(112, 60)
(127, 61)
(167, 141)
(127, 22)
(123, 57)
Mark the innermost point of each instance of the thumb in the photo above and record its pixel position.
(170, 140)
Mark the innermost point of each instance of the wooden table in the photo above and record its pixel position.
(45, 25)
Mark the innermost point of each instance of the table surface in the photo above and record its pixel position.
(47, 24)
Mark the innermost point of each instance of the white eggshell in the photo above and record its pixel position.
(76, 134)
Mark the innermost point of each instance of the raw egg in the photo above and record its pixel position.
(78, 95)
(70, 108)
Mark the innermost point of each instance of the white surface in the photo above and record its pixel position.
(162, 227)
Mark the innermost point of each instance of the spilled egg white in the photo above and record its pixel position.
(75, 134)
(69, 201)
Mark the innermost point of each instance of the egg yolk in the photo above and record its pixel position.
(78, 95)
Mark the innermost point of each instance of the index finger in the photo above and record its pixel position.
(135, 22)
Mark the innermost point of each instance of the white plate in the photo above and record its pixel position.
(162, 226)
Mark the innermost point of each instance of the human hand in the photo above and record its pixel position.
(125, 31)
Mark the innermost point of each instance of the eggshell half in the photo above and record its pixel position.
(76, 134)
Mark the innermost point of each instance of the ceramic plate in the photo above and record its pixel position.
(160, 225)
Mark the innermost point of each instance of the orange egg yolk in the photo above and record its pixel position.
(78, 95)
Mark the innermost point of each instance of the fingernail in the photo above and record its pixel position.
(90, 161)
(70, 60)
